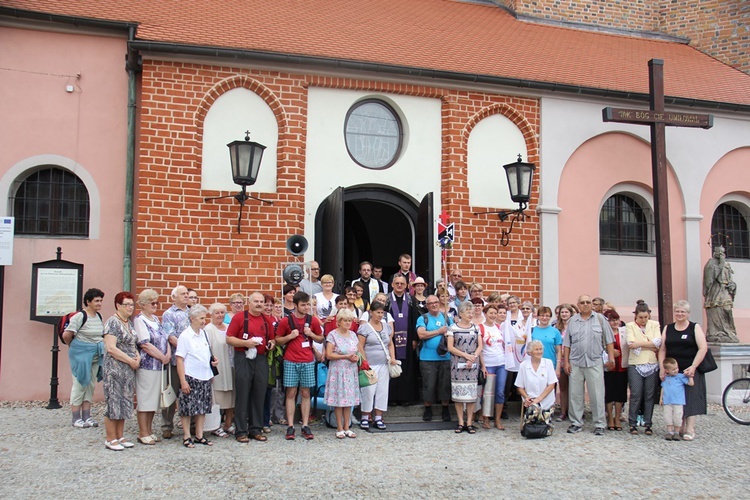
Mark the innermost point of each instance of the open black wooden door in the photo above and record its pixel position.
(329, 237)
(424, 246)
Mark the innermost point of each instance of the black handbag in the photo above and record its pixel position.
(481, 379)
(214, 369)
(708, 364)
(442, 348)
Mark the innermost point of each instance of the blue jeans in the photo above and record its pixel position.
(502, 375)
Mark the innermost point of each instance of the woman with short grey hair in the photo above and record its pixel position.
(153, 344)
(223, 383)
(194, 362)
(465, 345)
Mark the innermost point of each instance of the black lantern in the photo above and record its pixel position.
(520, 175)
(245, 157)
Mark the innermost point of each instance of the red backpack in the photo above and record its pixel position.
(63, 323)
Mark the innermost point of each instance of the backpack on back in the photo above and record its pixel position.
(62, 324)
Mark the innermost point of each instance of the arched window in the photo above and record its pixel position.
(51, 202)
(624, 226)
(729, 229)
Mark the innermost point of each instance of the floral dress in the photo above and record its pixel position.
(119, 378)
(342, 385)
(463, 379)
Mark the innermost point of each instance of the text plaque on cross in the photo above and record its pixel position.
(657, 118)
(648, 117)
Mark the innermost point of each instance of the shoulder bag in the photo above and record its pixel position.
(214, 369)
(393, 370)
(168, 397)
(708, 364)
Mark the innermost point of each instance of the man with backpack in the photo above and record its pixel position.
(297, 331)
(84, 334)
(251, 335)
(434, 366)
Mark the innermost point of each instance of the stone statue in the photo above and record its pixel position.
(718, 298)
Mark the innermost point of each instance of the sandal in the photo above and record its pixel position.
(634, 430)
(688, 437)
(459, 429)
(349, 434)
(618, 428)
(380, 425)
(203, 440)
(188, 443)
(364, 424)
(471, 429)
(147, 440)
(155, 438)
(220, 433)
(499, 426)
(486, 424)
(610, 428)
(243, 439)
(648, 431)
(259, 437)
(340, 435)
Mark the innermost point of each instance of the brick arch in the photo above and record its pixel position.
(508, 111)
(243, 81)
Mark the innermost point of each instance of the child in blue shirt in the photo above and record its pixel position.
(673, 397)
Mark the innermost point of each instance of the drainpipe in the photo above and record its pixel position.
(133, 67)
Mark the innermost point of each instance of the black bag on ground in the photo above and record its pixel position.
(536, 422)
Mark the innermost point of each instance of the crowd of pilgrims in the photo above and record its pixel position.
(260, 359)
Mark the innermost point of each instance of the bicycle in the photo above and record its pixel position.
(736, 399)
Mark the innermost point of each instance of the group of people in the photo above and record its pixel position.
(255, 359)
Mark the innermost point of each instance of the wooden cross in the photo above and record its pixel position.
(657, 119)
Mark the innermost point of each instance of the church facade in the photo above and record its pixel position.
(366, 150)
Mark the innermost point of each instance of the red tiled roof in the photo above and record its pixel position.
(443, 35)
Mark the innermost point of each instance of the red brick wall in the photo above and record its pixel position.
(182, 239)
(720, 28)
(637, 15)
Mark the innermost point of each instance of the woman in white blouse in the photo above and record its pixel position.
(536, 378)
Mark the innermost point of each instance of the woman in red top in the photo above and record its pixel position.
(615, 379)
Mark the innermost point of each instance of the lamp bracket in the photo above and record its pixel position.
(241, 198)
(517, 215)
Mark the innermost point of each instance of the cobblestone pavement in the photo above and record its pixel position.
(42, 456)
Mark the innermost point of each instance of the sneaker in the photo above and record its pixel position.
(446, 414)
(597, 432)
(113, 445)
(80, 424)
(125, 444)
(574, 429)
(91, 422)
(307, 433)
(290, 433)
(427, 416)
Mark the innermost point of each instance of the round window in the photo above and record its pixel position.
(373, 134)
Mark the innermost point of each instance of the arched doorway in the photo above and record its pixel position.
(373, 223)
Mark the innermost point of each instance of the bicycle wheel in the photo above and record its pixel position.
(736, 401)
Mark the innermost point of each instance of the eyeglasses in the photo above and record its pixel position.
(526, 309)
(432, 303)
(456, 275)
(154, 303)
(238, 303)
(585, 302)
(129, 304)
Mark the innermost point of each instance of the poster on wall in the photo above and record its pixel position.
(56, 289)
(6, 240)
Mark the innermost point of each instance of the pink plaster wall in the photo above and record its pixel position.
(721, 181)
(593, 169)
(88, 127)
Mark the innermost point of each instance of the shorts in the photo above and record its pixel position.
(436, 380)
(673, 415)
(299, 374)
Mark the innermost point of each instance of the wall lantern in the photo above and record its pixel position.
(520, 175)
(245, 157)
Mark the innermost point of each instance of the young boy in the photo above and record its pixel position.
(674, 397)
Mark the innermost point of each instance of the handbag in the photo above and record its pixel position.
(214, 369)
(442, 348)
(708, 364)
(168, 397)
(367, 378)
(393, 370)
